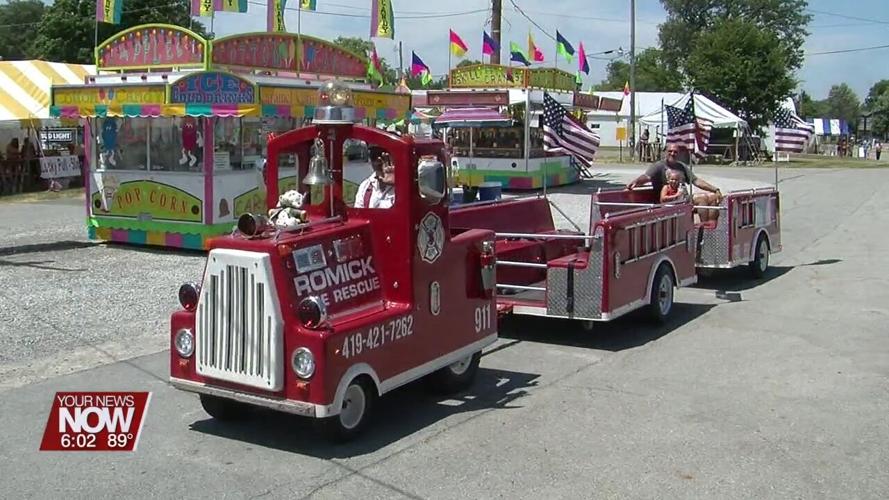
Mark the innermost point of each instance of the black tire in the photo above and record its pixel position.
(355, 411)
(224, 409)
(456, 376)
(760, 263)
(662, 291)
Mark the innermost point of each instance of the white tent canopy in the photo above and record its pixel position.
(704, 108)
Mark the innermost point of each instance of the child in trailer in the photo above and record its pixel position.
(674, 190)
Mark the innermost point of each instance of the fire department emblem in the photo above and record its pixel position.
(430, 240)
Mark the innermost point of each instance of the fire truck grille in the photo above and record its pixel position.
(239, 325)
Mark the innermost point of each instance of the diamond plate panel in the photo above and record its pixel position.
(714, 242)
(587, 289)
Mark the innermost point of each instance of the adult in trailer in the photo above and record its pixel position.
(656, 175)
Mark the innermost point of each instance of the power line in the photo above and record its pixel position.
(861, 49)
(874, 21)
(91, 17)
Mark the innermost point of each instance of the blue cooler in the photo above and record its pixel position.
(456, 196)
(490, 191)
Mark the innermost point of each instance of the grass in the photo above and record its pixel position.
(70, 193)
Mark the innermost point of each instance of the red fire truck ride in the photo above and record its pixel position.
(321, 318)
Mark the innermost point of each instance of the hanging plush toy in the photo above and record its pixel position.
(288, 215)
(190, 141)
(108, 136)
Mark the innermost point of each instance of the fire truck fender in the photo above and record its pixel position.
(753, 241)
(355, 370)
(653, 271)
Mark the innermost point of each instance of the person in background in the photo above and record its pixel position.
(878, 148)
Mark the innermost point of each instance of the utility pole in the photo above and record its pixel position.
(400, 62)
(633, 77)
(496, 10)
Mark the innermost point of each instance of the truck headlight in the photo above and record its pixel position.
(184, 342)
(303, 362)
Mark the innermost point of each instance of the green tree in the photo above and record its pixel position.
(18, 19)
(362, 47)
(810, 108)
(652, 75)
(842, 103)
(876, 91)
(744, 66)
(688, 20)
(468, 62)
(879, 118)
(67, 31)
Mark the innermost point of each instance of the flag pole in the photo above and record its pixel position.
(96, 40)
(299, 39)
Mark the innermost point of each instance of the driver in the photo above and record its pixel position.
(378, 190)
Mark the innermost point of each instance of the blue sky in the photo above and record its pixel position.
(601, 24)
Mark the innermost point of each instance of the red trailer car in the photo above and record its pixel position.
(632, 257)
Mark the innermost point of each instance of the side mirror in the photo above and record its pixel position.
(432, 180)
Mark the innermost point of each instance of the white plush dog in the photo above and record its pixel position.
(288, 215)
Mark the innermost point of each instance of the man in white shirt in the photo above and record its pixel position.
(378, 190)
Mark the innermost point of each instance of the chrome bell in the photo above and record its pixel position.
(318, 174)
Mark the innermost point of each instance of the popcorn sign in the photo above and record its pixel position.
(95, 421)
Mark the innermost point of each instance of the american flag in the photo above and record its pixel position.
(791, 132)
(687, 130)
(562, 133)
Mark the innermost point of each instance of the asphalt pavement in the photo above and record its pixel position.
(779, 393)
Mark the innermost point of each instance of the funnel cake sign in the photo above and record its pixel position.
(287, 52)
(152, 46)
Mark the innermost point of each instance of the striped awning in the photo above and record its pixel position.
(25, 87)
(472, 117)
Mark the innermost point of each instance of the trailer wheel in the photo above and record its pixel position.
(662, 287)
(224, 409)
(456, 376)
(760, 263)
(354, 412)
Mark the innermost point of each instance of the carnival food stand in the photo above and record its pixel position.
(504, 147)
(176, 126)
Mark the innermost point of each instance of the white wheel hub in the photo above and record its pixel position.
(665, 295)
(354, 406)
(460, 367)
(763, 255)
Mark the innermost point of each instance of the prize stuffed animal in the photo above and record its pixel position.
(191, 139)
(287, 215)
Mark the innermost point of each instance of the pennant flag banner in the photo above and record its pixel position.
(417, 65)
(563, 47)
(374, 67)
(308, 4)
(627, 88)
(108, 11)
(382, 19)
(489, 45)
(202, 8)
(533, 51)
(419, 68)
(458, 47)
(517, 55)
(275, 15)
(231, 5)
(582, 63)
